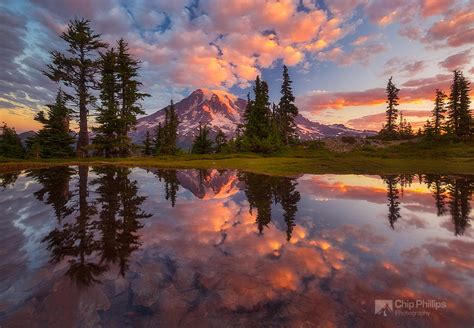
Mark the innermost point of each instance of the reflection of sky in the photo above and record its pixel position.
(203, 259)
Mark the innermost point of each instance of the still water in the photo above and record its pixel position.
(119, 247)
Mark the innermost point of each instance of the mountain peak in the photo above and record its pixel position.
(208, 94)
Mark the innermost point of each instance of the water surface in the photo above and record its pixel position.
(117, 247)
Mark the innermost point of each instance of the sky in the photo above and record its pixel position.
(340, 53)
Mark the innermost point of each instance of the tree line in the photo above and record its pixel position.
(450, 117)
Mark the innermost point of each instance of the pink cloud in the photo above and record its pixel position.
(376, 121)
(455, 29)
(458, 60)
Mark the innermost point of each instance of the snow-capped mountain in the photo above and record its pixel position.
(222, 110)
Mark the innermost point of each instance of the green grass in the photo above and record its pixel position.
(442, 158)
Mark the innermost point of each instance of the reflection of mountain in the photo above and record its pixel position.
(210, 184)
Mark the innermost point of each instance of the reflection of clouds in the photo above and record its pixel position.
(203, 263)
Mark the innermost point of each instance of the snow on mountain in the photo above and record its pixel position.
(222, 110)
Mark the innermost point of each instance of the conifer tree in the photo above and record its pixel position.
(392, 111)
(129, 95)
(77, 70)
(220, 141)
(147, 149)
(258, 112)
(10, 143)
(202, 144)
(438, 112)
(54, 140)
(108, 117)
(169, 132)
(459, 114)
(287, 110)
(158, 140)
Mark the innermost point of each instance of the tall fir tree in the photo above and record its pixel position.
(10, 143)
(258, 112)
(158, 139)
(438, 112)
(147, 147)
(392, 110)
(202, 144)
(76, 69)
(459, 114)
(107, 132)
(287, 110)
(220, 141)
(54, 140)
(129, 95)
(170, 131)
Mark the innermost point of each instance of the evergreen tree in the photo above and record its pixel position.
(202, 144)
(390, 127)
(438, 112)
(287, 110)
(108, 117)
(158, 140)
(147, 149)
(220, 141)
(459, 114)
(77, 70)
(10, 143)
(54, 140)
(169, 132)
(258, 112)
(129, 95)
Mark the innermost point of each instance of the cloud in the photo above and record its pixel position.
(375, 121)
(455, 29)
(457, 61)
(412, 91)
(406, 67)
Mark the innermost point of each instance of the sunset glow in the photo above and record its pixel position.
(340, 53)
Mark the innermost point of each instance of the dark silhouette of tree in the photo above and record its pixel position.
(390, 128)
(392, 195)
(287, 195)
(220, 141)
(263, 190)
(147, 147)
(202, 144)
(128, 94)
(460, 192)
(10, 143)
(166, 134)
(54, 140)
(459, 114)
(107, 132)
(287, 110)
(438, 113)
(55, 189)
(438, 188)
(77, 70)
(90, 244)
(171, 184)
(158, 139)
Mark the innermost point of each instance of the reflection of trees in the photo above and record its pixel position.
(89, 243)
(55, 188)
(392, 195)
(7, 179)
(262, 190)
(460, 192)
(449, 192)
(171, 183)
(453, 193)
